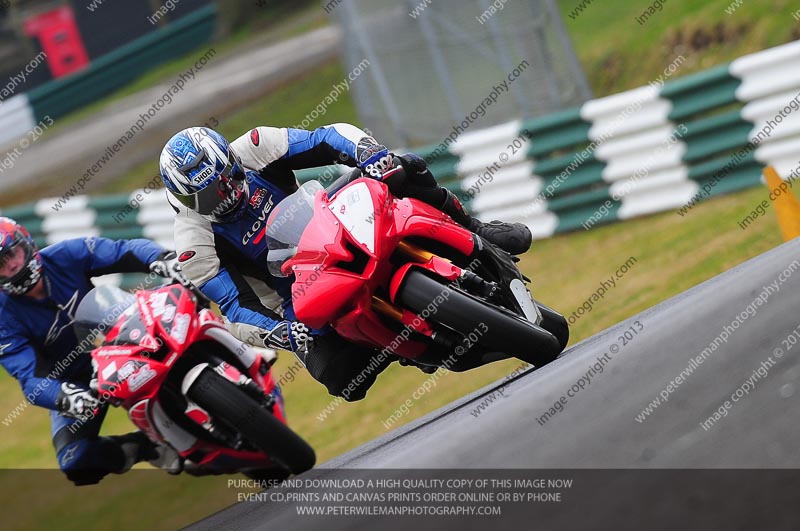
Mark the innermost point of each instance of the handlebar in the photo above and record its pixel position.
(176, 276)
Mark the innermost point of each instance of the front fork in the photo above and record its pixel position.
(219, 433)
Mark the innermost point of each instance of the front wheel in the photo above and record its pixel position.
(497, 330)
(230, 405)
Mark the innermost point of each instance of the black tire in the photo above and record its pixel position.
(554, 322)
(464, 313)
(226, 402)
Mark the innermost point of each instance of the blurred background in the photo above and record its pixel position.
(429, 65)
(73, 35)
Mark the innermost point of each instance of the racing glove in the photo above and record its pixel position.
(74, 401)
(373, 158)
(167, 266)
(289, 335)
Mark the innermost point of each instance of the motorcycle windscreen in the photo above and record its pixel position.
(99, 310)
(286, 225)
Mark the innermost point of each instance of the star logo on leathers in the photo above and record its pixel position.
(69, 310)
(69, 455)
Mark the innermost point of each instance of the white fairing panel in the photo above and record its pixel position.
(355, 211)
(179, 438)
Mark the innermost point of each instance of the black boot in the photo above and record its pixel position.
(138, 447)
(513, 238)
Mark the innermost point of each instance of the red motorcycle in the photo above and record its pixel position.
(399, 275)
(185, 381)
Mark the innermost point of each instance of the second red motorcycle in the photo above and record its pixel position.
(166, 358)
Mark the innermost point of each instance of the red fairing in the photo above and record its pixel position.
(145, 343)
(347, 255)
(415, 218)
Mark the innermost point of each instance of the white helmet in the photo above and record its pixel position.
(201, 170)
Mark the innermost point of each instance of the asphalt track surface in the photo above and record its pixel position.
(597, 430)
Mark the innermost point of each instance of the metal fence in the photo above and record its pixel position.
(434, 63)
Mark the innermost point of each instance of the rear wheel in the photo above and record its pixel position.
(496, 330)
(227, 403)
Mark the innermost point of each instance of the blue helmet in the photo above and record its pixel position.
(200, 169)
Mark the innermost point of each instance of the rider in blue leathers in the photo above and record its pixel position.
(223, 194)
(39, 293)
